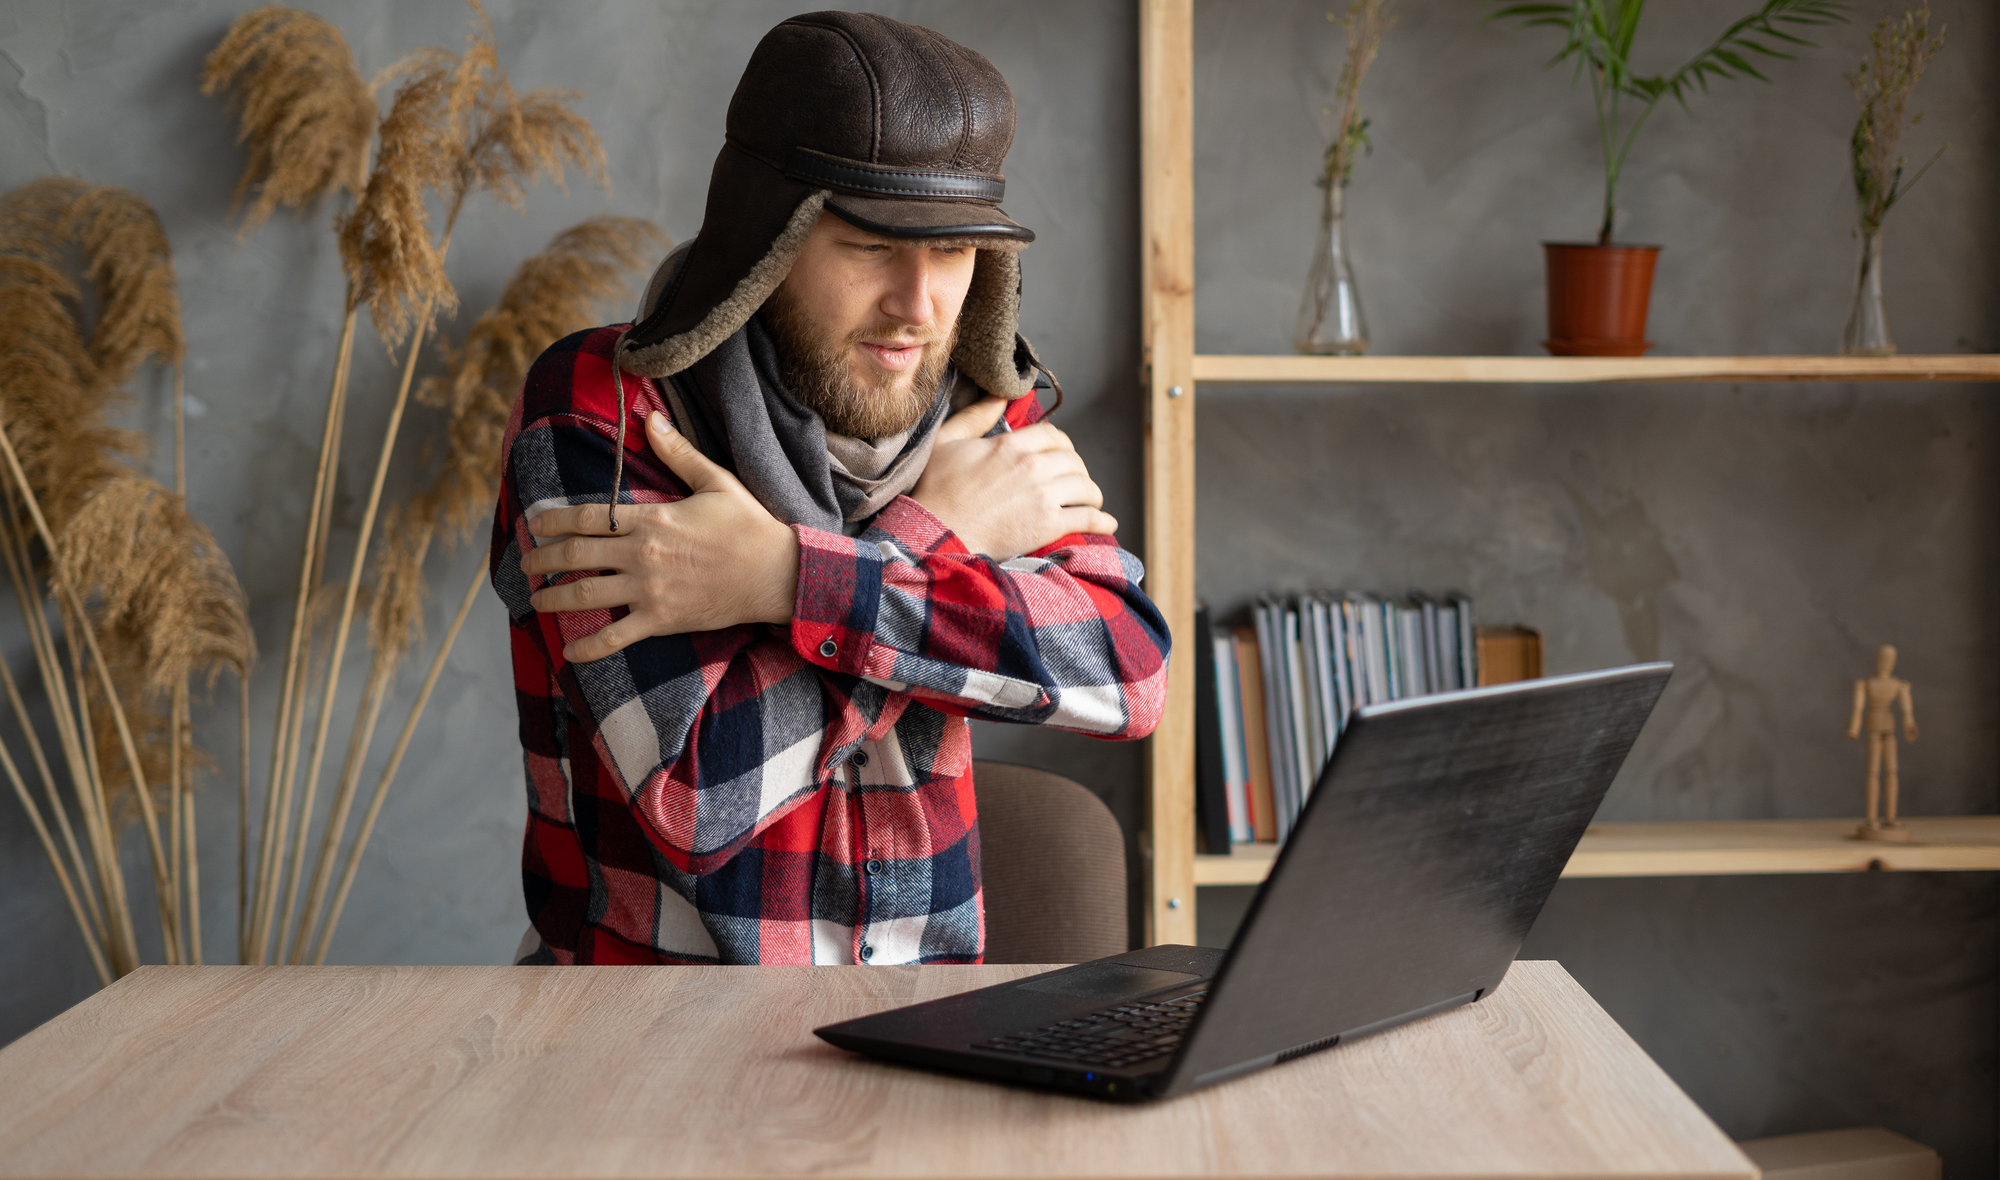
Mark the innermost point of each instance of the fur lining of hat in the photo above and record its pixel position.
(984, 353)
(725, 319)
(986, 325)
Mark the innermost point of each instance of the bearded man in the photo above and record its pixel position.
(765, 549)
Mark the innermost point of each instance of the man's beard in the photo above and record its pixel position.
(816, 372)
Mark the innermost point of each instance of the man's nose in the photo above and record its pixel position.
(909, 296)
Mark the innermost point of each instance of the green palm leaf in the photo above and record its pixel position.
(1598, 38)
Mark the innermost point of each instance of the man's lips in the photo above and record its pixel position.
(894, 359)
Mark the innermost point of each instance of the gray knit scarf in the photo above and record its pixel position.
(732, 405)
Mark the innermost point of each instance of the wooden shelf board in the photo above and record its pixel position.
(1940, 843)
(1246, 864)
(1723, 848)
(1569, 369)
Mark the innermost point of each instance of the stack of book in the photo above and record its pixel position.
(1272, 698)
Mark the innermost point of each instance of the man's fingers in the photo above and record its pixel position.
(681, 457)
(1042, 436)
(1076, 491)
(598, 593)
(1089, 520)
(607, 640)
(973, 421)
(590, 519)
(579, 551)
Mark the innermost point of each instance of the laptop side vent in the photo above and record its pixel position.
(1308, 1047)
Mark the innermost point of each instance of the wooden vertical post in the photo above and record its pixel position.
(1166, 185)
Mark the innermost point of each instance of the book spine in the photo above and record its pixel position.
(1256, 741)
(1416, 677)
(1468, 641)
(1343, 691)
(1374, 650)
(1357, 655)
(1329, 696)
(1392, 644)
(1448, 659)
(1230, 702)
(1433, 651)
(1211, 792)
(1277, 741)
(1309, 668)
(1303, 783)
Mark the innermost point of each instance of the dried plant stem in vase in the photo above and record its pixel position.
(1899, 50)
(1330, 316)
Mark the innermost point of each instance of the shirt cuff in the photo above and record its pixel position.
(833, 610)
(839, 596)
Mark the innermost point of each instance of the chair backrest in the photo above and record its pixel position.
(1052, 865)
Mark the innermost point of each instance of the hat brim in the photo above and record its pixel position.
(894, 218)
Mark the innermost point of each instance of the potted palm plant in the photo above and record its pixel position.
(1598, 293)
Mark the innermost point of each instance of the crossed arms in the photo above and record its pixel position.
(722, 710)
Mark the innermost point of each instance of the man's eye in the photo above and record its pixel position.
(950, 251)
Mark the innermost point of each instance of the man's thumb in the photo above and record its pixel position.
(682, 458)
(974, 420)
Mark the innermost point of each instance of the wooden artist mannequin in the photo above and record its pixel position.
(1873, 700)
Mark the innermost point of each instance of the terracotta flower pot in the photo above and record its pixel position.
(1597, 298)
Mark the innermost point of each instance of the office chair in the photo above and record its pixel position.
(1052, 864)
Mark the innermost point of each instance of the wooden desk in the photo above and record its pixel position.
(713, 1072)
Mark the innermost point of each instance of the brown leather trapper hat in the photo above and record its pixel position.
(891, 127)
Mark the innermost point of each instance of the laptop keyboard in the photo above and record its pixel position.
(1110, 1037)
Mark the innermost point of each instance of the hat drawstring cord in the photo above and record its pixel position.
(618, 463)
(1036, 362)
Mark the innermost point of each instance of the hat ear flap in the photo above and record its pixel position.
(675, 353)
(987, 322)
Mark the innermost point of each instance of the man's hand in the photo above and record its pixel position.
(1012, 493)
(712, 560)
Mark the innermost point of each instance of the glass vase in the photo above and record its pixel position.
(1330, 319)
(1868, 325)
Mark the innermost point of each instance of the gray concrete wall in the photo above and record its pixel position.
(107, 91)
(1765, 538)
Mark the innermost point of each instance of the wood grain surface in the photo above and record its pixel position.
(1166, 308)
(714, 1072)
(1938, 844)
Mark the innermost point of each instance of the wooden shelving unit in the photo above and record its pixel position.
(1172, 372)
(1723, 848)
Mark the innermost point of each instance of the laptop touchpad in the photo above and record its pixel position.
(1105, 981)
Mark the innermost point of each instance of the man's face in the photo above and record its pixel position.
(865, 325)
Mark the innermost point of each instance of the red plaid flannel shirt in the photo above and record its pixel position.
(796, 794)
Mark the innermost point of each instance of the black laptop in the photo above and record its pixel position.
(1421, 858)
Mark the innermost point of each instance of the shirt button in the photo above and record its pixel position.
(873, 867)
(827, 648)
(867, 952)
(860, 758)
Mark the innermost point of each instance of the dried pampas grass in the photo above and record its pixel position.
(144, 597)
(561, 290)
(393, 266)
(306, 114)
(131, 265)
(457, 127)
(156, 573)
(552, 294)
